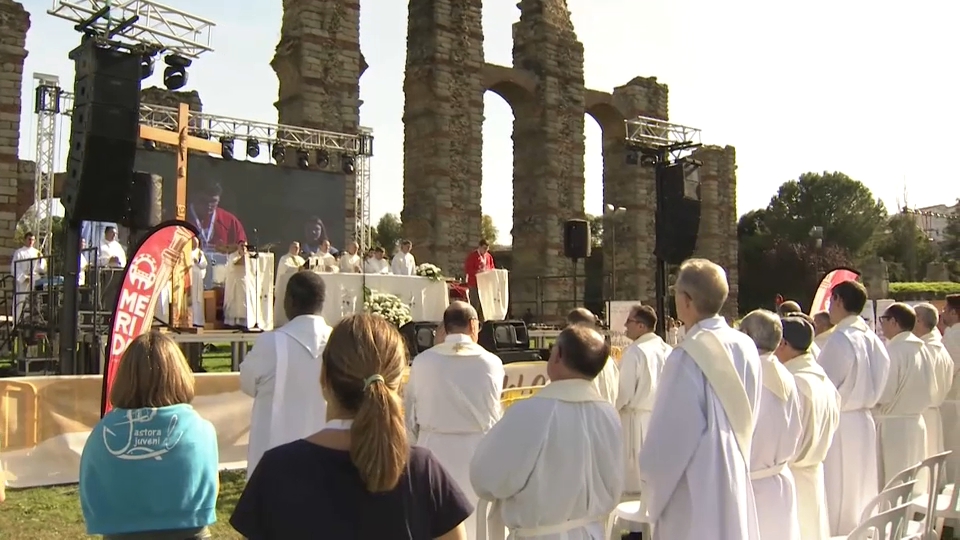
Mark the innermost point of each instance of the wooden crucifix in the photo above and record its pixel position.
(180, 312)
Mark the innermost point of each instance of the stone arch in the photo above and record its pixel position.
(516, 87)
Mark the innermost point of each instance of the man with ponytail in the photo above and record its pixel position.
(358, 477)
(553, 465)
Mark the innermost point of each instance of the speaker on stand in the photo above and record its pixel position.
(576, 246)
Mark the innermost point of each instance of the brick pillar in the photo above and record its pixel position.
(717, 236)
(15, 22)
(443, 130)
(546, 45)
(633, 187)
(319, 64)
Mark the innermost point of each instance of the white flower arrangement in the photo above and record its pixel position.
(430, 271)
(388, 306)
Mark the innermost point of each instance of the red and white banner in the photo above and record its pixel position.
(821, 301)
(148, 273)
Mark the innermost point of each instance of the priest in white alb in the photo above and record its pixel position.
(552, 466)
(26, 266)
(198, 273)
(111, 254)
(928, 317)
(282, 372)
(452, 397)
(950, 319)
(403, 262)
(641, 366)
(820, 418)
(240, 298)
(607, 382)
(695, 461)
(777, 435)
(289, 264)
(375, 263)
(350, 262)
(910, 390)
(822, 328)
(857, 362)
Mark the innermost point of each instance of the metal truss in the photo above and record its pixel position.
(363, 224)
(155, 25)
(644, 133)
(47, 107)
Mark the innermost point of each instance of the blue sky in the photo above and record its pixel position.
(821, 85)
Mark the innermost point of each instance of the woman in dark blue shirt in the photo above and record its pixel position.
(357, 479)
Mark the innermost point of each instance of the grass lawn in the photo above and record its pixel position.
(54, 513)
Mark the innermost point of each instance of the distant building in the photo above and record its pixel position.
(932, 219)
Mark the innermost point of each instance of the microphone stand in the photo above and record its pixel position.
(255, 256)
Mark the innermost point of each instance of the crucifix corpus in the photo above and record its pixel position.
(180, 312)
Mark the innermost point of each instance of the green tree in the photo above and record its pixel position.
(905, 247)
(596, 230)
(388, 232)
(844, 207)
(489, 231)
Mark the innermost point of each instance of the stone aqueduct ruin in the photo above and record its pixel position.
(319, 64)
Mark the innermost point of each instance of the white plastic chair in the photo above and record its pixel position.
(630, 509)
(907, 475)
(895, 497)
(935, 467)
(938, 507)
(887, 525)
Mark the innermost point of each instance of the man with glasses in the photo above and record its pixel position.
(950, 318)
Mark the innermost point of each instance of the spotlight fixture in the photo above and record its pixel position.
(347, 164)
(278, 153)
(253, 148)
(149, 145)
(175, 75)
(322, 158)
(147, 62)
(633, 157)
(226, 148)
(646, 160)
(303, 159)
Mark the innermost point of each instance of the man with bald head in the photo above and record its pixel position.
(928, 317)
(452, 397)
(350, 262)
(608, 381)
(789, 307)
(695, 461)
(553, 466)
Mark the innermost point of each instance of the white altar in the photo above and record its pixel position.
(427, 298)
(258, 273)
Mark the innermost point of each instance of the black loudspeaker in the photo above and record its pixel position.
(419, 336)
(104, 134)
(500, 336)
(576, 239)
(678, 222)
(143, 201)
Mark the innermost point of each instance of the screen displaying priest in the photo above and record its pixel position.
(452, 397)
(695, 476)
(282, 371)
(553, 465)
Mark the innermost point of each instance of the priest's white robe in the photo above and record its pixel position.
(641, 365)
(198, 273)
(943, 372)
(821, 339)
(694, 468)
(161, 309)
(404, 264)
(820, 417)
(282, 374)
(608, 381)
(775, 443)
(82, 274)
(286, 267)
(552, 465)
(376, 266)
(452, 399)
(857, 362)
(350, 264)
(950, 410)
(910, 390)
(112, 249)
(25, 270)
(240, 296)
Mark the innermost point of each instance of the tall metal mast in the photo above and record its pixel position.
(47, 108)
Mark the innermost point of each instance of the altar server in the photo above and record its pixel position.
(820, 418)
(375, 263)
(350, 262)
(607, 382)
(553, 464)
(111, 251)
(926, 329)
(198, 273)
(694, 464)
(452, 397)
(909, 391)
(26, 267)
(856, 361)
(240, 294)
(950, 319)
(641, 365)
(777, 434)
(282, 371)
(290, 263)
(403, 262)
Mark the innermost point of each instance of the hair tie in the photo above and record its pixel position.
(372, 379)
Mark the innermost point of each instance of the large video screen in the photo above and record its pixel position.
(264, 204)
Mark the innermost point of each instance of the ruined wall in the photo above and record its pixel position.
(14, 23)
(318, 63)
(717, 237)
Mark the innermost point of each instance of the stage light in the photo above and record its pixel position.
(226, 147)
(633, 157)
(175, 75)
(149, 145)
(347, 164)
(647, 160)
(147, 62)
(303, 159)
(278, 153)
(253, 148)
(322, 158)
